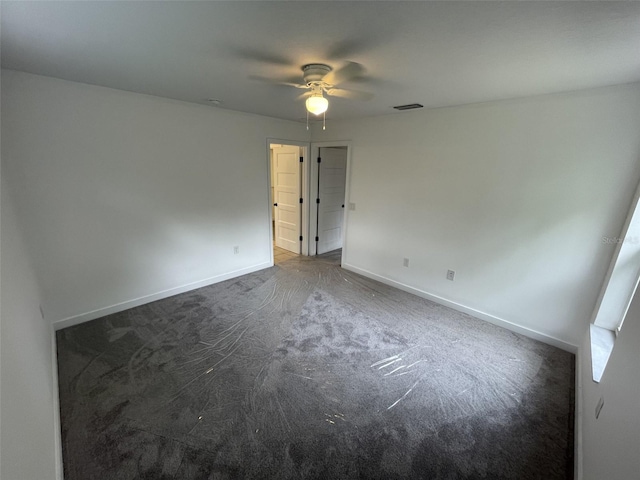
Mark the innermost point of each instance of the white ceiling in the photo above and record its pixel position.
(434, 53)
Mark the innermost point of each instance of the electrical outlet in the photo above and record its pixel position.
(599, 406)
(405, 262)
(450, 275)
(236, 250)
(352, 206)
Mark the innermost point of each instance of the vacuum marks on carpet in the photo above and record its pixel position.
(309, 371)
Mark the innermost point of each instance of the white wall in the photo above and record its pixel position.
(28, 436)
(515, 196)
(611, 444)
(122, 196)
(125, 197)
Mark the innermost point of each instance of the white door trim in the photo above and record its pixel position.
(305, 192)
(286, 178)
(332, 183)
(313, 194)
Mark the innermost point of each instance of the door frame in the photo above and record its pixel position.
(313, 193)
(304, 181)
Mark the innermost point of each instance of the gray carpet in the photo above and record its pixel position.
(307, 371)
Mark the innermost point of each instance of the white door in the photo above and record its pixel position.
(331, 186)
(286, 197)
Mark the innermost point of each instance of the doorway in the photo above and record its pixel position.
(329, 182)
(332, 175)
(287, 191)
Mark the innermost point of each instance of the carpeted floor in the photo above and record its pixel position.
(307, 371)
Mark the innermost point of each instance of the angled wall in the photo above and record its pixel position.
(610, 442)
(28, 435)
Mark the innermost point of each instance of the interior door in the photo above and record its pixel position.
(286, 197)
(332, 174)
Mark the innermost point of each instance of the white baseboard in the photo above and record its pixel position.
(119, 307)
(527, 332)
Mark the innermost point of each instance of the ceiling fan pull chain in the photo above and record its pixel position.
(324, 120)
(307, 119)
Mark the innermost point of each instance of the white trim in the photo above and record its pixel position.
(313, 192)
(57, 429)
(614, 259)
(556, 342)
(304, 228)
(270, 204)
(577, 437)
(601, 343)
(119, 307)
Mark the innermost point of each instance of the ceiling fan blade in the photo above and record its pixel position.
(351, 94)
(304, 95)
(353, 47)
(255, 55)
(344, 74)
(348, 48)
(277, 81)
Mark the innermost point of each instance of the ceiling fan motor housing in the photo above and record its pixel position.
(315, 72)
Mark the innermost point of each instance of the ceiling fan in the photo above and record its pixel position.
(320, 79)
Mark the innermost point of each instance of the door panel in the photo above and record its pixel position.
(331, 191)
(286, 194)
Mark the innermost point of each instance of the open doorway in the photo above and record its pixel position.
(288, 217)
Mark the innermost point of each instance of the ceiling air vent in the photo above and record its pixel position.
(410, 106)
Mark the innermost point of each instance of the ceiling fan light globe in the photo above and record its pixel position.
(317, 104)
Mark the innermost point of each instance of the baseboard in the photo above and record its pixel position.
(136, 302)
(527, 332)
